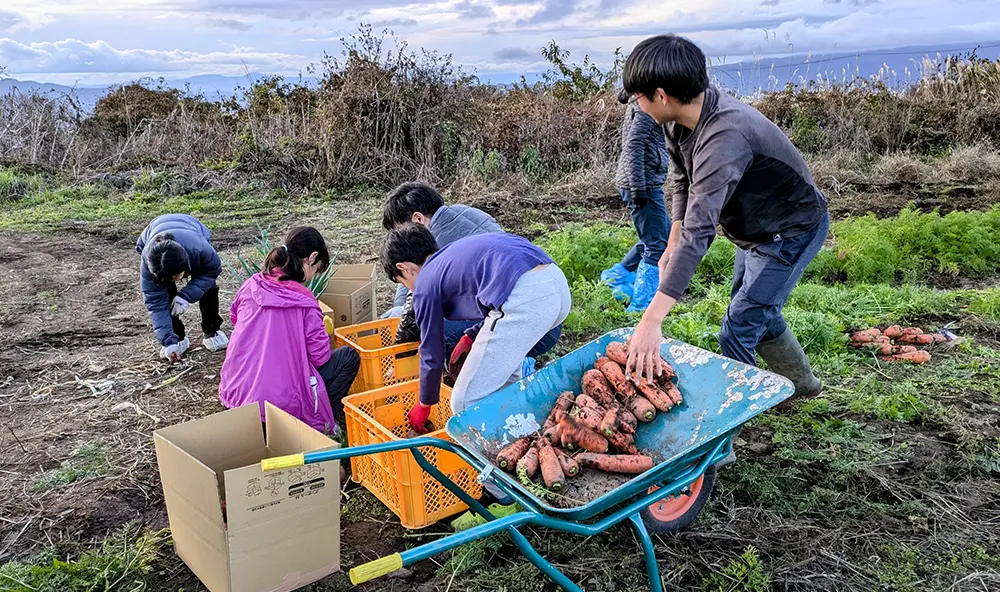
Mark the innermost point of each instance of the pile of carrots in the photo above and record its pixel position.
(898, 344)
(594, 430)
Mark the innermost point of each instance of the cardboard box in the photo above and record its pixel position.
(350, 293)
(281, 529)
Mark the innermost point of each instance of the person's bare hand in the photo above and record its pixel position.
(644, 352)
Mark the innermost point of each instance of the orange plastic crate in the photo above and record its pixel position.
(374, 342)
(395, 478)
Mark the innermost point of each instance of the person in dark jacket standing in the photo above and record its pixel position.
(642, 170)
(175, 246)
(730, 167)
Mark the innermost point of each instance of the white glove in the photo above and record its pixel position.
(171, 352)
(179, 306)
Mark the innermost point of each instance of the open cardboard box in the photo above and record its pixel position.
(349, 296)
(279, 530)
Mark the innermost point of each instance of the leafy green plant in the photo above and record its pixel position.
(531, 163)
(486, 165)
(89, 460)
(14, 185)
(898, 401)
(745, 573)
(123, 562)
(250, 265)
(585, 250)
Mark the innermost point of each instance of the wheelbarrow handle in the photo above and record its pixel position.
(297, 460)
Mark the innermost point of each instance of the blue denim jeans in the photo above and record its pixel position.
(652, 224)
(763, 279)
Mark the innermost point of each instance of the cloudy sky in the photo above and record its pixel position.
(90, 42)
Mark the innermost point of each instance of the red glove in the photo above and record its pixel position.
(458, 356)
(418, 417)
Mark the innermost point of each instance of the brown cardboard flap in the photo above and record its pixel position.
(363, 271)
(222, 441)
(288, 435)
(191, 493)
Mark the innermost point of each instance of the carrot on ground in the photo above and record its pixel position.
(529, 461)
(570, 467)
(654, 395)
(912, 331)
(573, 433)
(939, 338)
(893, 332)
(632, 464)
(508, 457)
(866, 336)
(917, 338)
(617, 352)
(918, 357)
(552, 473)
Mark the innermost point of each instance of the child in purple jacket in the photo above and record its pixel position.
(280, 351)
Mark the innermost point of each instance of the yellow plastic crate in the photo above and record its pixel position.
(380, 366)
(395, 478)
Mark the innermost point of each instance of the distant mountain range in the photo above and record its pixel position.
(746, 77)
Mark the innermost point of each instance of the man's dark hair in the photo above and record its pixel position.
(407, 243)
(669, 62)
(165, 258)
(408, 199)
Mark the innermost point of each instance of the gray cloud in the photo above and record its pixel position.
(231, 24)
(770, 2)
(513, 54)
(473, 9)
(551, 10)
(396, 22)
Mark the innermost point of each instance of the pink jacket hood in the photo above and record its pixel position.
(278, 343)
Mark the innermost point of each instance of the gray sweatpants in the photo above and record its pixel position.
(539, 302)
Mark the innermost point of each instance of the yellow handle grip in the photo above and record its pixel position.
(375, 569)
(282, 462)
(328, 324)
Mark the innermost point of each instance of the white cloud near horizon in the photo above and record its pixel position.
(124, 39)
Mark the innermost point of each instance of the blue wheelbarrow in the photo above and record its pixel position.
(720, 395)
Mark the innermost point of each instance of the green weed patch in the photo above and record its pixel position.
(89, 460)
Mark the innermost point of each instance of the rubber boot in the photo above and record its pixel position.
(647, 282)
(620, 281)
(784, 356)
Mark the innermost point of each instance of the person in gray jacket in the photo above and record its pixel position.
(642, 170)
(175, 246)
(731, 168)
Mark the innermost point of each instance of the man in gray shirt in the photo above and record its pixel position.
(730, 167)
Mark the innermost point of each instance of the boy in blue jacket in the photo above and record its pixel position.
(175, 246)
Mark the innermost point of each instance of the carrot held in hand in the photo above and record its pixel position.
(529, 462)
(508, 457)
(552, 473)
(632, 464)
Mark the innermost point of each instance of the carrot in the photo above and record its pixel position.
(917, 357)
(617, 352)
(632, 464)
(600, 362)
(641, 408)
(508, 457)
(893, 332)
(866, 336)
(551, 434)
(552, 473)
(917, 338)
(597, 387)
(886, 349)
(939, 338)
(616, 376)
(627, 421)
(589, 402)
(912, 331)
(572, 433)
(609, 423)
(589, 417)
(675, 395)
(569, 467)
(904, 349)
(529, 462)
(623, 442)
(563, 403)
(657, 397)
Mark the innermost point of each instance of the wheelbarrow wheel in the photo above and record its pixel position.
(677, 512)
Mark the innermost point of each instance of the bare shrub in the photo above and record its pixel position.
(972, 163)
